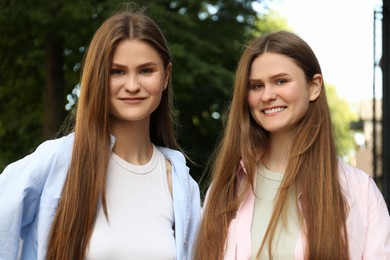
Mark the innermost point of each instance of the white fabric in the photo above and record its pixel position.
(267, 186)
(140, 213)
(30, 189)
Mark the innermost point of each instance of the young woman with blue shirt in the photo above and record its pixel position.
(117, 187)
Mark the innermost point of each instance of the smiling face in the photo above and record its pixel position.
(137, 80)
(278, 92)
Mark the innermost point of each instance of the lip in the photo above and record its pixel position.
(273, 110)
(132, 100)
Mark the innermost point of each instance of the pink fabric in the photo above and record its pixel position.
(238, 244)
(368, 221)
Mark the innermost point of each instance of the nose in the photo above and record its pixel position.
(132, 84)
(269, 93)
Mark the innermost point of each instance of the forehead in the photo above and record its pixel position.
(269, 64)
(136, 51)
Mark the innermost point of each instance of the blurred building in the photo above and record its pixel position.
(385, 66)
(369, 148)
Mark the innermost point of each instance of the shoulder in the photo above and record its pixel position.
(50, 154)
(53, 152)
(351, 175)
(176, 158)
(368, 218)
(51, 148)
(172, 154)
(359, 187)
(38, 175)
(180, 172)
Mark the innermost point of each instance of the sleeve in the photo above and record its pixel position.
(20, 187)
(196, 212)
(378, 231)
(186, 201)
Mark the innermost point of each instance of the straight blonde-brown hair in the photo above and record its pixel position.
(86, 180)
(312, 164)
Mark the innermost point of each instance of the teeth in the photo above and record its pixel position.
(274, 110)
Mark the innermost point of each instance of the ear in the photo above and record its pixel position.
(167, 75)
(315, 87)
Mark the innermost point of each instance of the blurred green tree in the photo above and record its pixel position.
(41, 46)
(342, 116)
(43, 42)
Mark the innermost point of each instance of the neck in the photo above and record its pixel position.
(132, 141)
(276, 156)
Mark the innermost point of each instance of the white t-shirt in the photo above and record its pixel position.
(140, 213)
(267, 185)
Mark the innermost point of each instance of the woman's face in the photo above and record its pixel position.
(278, 92)
(137, 80)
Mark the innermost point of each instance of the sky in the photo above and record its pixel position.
(340, 32)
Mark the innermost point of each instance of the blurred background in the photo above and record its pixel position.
(42, 44)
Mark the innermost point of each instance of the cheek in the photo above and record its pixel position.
(113, 87)
(300, 103)
(253, 104)
(296, 95)
(153, 85)
(253, 101)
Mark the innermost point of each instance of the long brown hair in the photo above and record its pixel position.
(86, 180)
(312, 164)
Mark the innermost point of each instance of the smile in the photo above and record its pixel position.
(273, 110)
(132, 99)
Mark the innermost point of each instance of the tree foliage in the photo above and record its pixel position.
(43, 42)
(342, 116)
(29, 29)
(206, 47)
(271, 21)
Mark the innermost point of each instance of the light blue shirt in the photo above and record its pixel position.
(31, 187)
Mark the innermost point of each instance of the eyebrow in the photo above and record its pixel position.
(278, 75)
(282, 74)
(146, 64)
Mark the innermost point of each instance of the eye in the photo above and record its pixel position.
(145, 71)
(117, 72)
(256, 86)
(280, 82)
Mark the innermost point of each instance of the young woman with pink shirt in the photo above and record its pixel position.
(278, 189)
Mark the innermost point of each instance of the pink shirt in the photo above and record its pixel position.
(368, 221)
